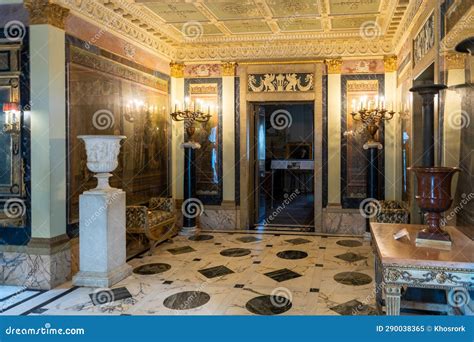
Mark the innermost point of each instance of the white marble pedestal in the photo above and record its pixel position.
(102, 238)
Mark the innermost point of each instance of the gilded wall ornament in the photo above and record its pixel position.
(334, 66)
(228, 69)
(280, 82)
(45, 12)
(177, 70)
(390, 63)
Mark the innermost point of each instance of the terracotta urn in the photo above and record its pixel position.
(102, 156)
(433, 196)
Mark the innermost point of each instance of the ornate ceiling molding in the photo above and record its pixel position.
(44, 12)
(286, 50)
(110, 20)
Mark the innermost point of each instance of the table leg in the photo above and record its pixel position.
(392, 299)
(378, 284)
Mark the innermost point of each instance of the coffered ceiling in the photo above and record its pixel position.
(257, 29)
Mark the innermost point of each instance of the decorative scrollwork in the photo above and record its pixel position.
(280, 82)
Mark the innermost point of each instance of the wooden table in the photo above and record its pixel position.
(400, 263)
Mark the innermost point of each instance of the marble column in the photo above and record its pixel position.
(177, 135)
(334, 131)
(393, 170)
(228, 134)
(46, 261)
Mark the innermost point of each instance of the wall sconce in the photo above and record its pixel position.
(12, 118)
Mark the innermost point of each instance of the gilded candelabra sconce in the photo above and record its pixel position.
(12, 118)
(371, 113)
(190, 116)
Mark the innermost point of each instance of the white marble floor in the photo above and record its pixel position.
(321, 276)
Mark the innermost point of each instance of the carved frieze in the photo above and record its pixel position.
(45, 12)
(93, 61)
(455, 61)
(334, 66)
(425, 277)
(424, 40)
(280, 82)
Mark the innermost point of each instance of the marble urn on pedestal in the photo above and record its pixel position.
(102, 240)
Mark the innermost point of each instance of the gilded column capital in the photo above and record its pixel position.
(44, 12)
(390, 63)
(334, 66)
(454, 61)
(177, 70)
(228, 69)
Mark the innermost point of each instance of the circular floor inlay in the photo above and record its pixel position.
(268, 305)
(235, 252)
(148, 269)
(292, 255)
(353, 278)
(349, 243)
(201, 237)
(186, 300)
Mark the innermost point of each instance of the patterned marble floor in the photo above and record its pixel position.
(231, 274)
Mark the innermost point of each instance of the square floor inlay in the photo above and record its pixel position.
(350, 257)
(181, 250)
(247, 239)
(168, 282)
(282, 275)
(109, 295)
(354, 308)
(239, 286)
(313, 290)
(217, 271)
(297, 241)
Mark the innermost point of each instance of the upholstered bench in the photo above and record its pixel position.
(156, 222)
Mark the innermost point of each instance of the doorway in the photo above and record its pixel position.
(284, 166)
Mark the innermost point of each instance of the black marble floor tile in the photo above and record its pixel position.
(268, 245)
(109, 295)
(239, 286)
(235, 252)
(149, 269)
(313, 289)
(216, 271)
(350, 257)
(168, 282)
(349, 243)
(322, 247)
(186, 300)
(247, 239)
(196, 259)
(353, 278)
(181, 250)
(268, 305)
(297, 241)
(257, 262)
(217, 243)
(201, 237)
(292, 255)
(319, 265)
(354, 308)
(282, 275)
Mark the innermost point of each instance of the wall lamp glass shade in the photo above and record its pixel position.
(12, 117)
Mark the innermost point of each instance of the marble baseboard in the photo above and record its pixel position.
(42, 272)
(343, 222)
(220, 219)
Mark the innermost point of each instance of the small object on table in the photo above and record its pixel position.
(401, 233)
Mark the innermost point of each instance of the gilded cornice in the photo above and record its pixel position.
(228, 69)
(455, 61)
(177, 70)
(334, 66)
(390, 63)
(45, 12)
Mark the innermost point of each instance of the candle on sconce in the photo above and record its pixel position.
(353, 105)
(382, 102)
